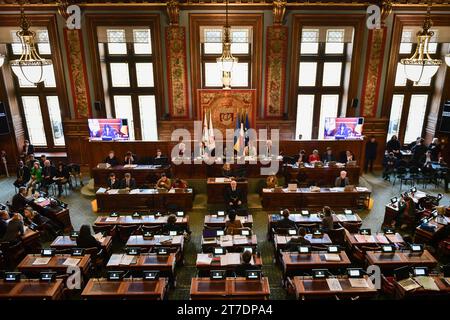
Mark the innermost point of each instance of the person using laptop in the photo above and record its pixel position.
(285, 222)
(342, 180)
(327, 219)
(233, 196)
(164, 182)
(130, 158)
(128, 182)
(299, 240)
(245, 266)
(111, 159)
(233, 224)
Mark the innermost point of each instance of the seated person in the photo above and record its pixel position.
(233, 196)
(23, 175)
(112, 182)
(327, 219)
(111, 159)
(302, 158)
(86, 240)
(314, 157)
(171, 225)
(14, 229)
(233, 224)
(406, 212)
(42, 222)
(4, 217)
(292, 245)
(19, 200)
(285, 222)
(246, 265)
(181, 147)
(164, 182)
(342, 180)
(48, 173)
(42, 160)
(393, 145)
(62, 176)
(29, 161)
(226, 171)
(36, 177)
(328, 156)
(180, 184)
(347, 157)
(435, 148)
(271, 181)
(418, 151)
(426, 159)
(128, 182)
(130, 158)
(250, 149)
(159, 159)
(268, 148)
(389, 164)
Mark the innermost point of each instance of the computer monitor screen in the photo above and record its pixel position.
(108, 129)
(343, 128)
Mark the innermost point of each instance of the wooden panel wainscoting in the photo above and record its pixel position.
(376, 127)
(76, 132)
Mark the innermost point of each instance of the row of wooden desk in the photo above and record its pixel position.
(307, 199)
(143, 199)
(321, 176)
(229, 288)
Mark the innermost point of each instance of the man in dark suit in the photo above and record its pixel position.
(233, 196)
(27, 148)
(328, 156)
(245, 266)
(128, 182)
(48, 173)
(4, 216)
(20, 201)
(14, 229)
(23, 175)
(111, 159)
(342, 180)
(130, 158)
(112, 182)
(285, 222)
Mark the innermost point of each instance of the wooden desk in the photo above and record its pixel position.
(281, 241)
(304, 198)
(391, 209)
(31, 289)
(251, 242)
(65, 242)
(324, 176)
(102, 289)
(55, 264)
(143, 174)
(425, 236)
(306, 287)
(216, 190)
(230, 289)
(372, 240)
(31, 240)
(220, 222)
(163, 263)
(147, 220)
(157, 241)
(313, 218)
(294, 262)
(400, 259)
(216, 263)
(145, 199)
(444, 290)
(57, 213)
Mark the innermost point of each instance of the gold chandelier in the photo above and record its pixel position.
(226, 61)
(30, 67)
(421, 66)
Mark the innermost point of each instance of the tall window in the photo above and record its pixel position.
(410, 100)
(321, 77)
(129, 69)
(211, 49)
(39, 103)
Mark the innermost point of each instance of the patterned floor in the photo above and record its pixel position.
(81, 213)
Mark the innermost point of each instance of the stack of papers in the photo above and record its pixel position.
(332, 257)
(111, 219)
(203, 258)
(358, 282)
(113, 191)
(135, 191)
(364, 238)
(220, 180)
(361, 189)
(99, 237)
(427, 283)
(226, 241)
(346, 217)
(230, 259)
(381, 238)
(334, 284)
(41, 261)
(121, 259)
(71, 262)
(209, 240)
(409, 284)
(101, 190)
(281, 239)
(238, 239)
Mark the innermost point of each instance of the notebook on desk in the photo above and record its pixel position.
(409, 284)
